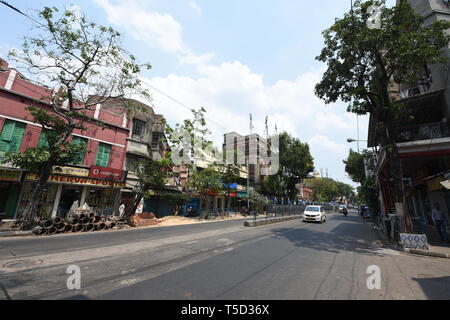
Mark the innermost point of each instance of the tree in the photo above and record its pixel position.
(356, 165)
(86, 65)
(295, 164)
(151, 174)
(256, 200)
(188, 140)
(206, 181)
(362, 63)
(229, 175)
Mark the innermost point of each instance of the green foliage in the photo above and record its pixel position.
(188, 140)
(295, 164)
(326, 189)
(256, 200)
(206, 180)
(151, 174)
(362, 62)
(356, 166)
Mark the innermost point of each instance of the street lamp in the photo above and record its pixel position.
(350, 140)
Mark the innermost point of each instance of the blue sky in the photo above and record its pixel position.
(233, 57)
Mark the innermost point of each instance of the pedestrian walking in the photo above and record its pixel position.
(440, 221)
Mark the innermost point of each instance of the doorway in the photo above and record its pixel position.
(69, 195)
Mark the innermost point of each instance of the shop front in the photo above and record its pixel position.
(9, 191)
(102, 195)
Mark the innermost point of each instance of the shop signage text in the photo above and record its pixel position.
(106, 173)
(10, 175)
(77, 181)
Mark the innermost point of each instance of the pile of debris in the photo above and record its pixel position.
(82, 219)
(144, 219)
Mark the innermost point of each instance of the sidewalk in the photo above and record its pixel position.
(436, 248)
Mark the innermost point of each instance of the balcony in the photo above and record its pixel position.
(426, 131)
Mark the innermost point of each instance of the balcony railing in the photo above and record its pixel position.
(423, 132)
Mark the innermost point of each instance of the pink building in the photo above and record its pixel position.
(97, 180)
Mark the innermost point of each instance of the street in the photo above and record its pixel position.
(221, 260)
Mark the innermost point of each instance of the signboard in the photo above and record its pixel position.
(10, 175)
(414, 241)
(106, 173)
(77, 181)
(71, 171)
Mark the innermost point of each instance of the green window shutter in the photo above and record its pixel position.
(17, 136)
(77, 141)
(11, 136)
(103, 154)
(7, 131)
(43, 141)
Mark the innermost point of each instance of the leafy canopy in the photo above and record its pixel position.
(363, 62)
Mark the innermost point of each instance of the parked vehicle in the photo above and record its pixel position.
(341, 208)
(314, 214)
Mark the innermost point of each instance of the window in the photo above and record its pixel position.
(155, 138)
(80, 141)
(11, 136)
(103, 153)
(138, 128)
(43, 140)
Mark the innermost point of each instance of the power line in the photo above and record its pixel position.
(19, 11)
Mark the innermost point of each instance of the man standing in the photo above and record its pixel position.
(440, 222)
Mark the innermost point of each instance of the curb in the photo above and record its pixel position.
(388, 242)
(14, 233)
(427, 253)
(256, 223)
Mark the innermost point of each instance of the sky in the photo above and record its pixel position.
(234, 58)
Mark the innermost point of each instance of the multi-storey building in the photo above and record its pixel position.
(423, 142)
(96, 180)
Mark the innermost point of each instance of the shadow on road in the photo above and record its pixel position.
(435, 288)
(349, 235)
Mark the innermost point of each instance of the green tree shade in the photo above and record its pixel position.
(86, 65)
(295, 164)
(356, 165)
(326, 190)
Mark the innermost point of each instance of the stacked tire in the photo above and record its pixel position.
(78, 222)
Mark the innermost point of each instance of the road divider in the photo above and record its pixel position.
(261, 222)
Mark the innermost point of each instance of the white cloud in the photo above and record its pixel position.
(230, 91)
(323, 142)
(196, 7)
(158, 30)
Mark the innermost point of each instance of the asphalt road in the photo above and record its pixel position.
(224, 260)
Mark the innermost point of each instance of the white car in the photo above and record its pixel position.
(314, 214)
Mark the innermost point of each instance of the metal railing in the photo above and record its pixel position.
(423, 132)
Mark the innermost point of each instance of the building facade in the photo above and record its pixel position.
(96, 180)
(424, 142)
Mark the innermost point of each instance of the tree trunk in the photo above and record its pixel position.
(31, 208)
(131, 211)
